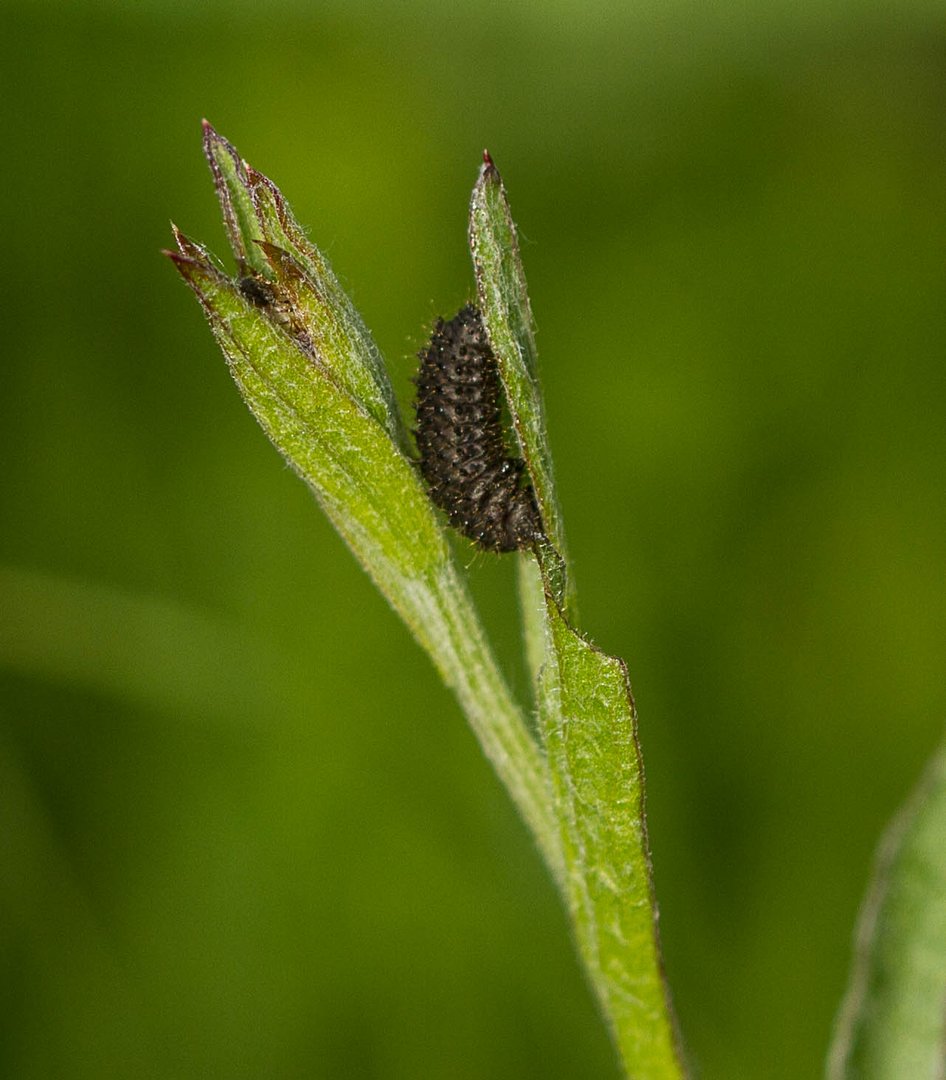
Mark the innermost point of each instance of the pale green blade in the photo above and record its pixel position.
(892, 1025)
(504, 302)
(586, 712)
(590, 728)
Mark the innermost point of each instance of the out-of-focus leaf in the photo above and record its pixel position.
(892, 1025)
(140, 649)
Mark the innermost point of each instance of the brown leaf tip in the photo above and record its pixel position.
(211, 138)
(488, 171)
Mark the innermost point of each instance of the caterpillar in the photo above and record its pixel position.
(459, 436)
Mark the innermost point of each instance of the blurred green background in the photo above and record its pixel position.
(224, 853)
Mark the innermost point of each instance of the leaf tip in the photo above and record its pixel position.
(488, 170)
(179, 238)
(217, 149)
(192, 262)
(183, 264)
(212, 138)
(489, 175)
(188, 248)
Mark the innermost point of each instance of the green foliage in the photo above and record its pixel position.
(590, 729)
(893, 1023)
(582, 791)
(586, 710)
(245, 830)
(308, 401)
(504, 301)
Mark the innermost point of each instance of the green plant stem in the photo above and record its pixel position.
(313, 378)
(443, 619)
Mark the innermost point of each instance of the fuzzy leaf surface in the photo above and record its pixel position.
(586, 712)
(268, 241)
(504, 302)
(590, 727)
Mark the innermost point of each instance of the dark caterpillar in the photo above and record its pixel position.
(460, 438)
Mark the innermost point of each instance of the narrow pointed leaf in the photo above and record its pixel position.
(586, 712)
(267, 241)
(504, 303)
(590, 729)
(893, 1021)
(236, 200)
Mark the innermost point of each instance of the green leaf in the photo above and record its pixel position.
(586, 711)
(590, 728)
(892, 1024)
(310, 373)
(504, 302)
(267, 241)
(367, 486)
